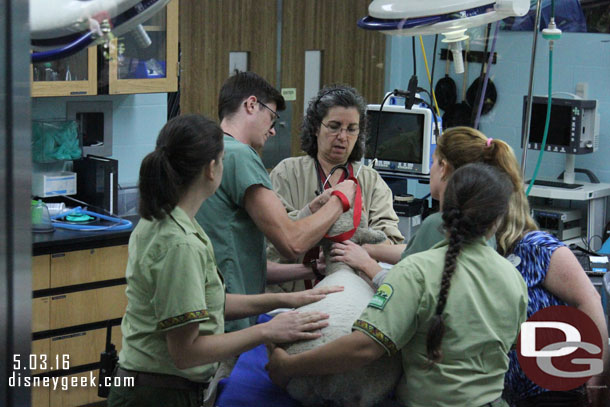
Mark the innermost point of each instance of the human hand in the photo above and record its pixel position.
(294, 326)
(320, 200)
(354, 256)
(348, 188)
(300, 298)
(278, 358)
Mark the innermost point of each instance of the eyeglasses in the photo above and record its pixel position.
(335, 128)
(275, 115)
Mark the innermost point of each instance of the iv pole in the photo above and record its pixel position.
(528, 111)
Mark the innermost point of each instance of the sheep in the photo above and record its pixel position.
(362, 387)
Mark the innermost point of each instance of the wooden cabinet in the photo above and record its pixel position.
(72, 76)
(87, 266)
(75, 294)
(82, 348)
(84, 307)
(153, 69)
(40, 314)
(41, 272)
(126, 68)
(66, 307)
(41, 278)
(76, 395)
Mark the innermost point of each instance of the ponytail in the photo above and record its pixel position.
(518, 220)
(463, 145)
(186, 144)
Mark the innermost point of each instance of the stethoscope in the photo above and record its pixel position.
(344, 167)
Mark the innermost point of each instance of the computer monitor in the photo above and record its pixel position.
(404, 142)
(573, 127)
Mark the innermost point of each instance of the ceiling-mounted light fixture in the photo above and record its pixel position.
(448, 17)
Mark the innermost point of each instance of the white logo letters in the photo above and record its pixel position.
(558, 349)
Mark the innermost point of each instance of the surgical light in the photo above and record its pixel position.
(448, 17)
(60, 28)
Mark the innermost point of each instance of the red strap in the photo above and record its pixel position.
(311, 256)
(342, 198)
(357, 215)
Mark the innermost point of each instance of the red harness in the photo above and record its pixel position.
(312, 254)
(357, 215)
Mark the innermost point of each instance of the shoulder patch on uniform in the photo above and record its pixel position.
(382, 296)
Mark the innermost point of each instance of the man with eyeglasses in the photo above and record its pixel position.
(245, 210)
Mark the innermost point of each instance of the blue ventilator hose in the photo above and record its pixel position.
(120, 224)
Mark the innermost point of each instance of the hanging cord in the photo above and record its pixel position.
(484, 89)
(428, 71)
(414, 59)
(432, 73)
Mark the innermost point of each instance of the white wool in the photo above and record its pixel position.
(361, 387)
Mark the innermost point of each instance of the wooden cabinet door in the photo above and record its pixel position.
(154, 69)
(80, 394)
(72, 76)
(41, 272)
(41, 347)
(41, 269)
(40, 396)
(40, 314)
(83, 307)
(86, 266)
(83, 348)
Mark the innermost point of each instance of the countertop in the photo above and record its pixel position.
(64, 240)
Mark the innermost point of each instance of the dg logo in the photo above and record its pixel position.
(559, 348)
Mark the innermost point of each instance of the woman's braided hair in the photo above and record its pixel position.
(476, 196)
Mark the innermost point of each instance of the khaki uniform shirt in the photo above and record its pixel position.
(486, 304)
(172, 280)
(295, 181)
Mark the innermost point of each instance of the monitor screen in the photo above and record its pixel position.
(400, 138)
(559, 126)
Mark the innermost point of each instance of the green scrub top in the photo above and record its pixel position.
(239, 245)
(481, 325)
(172, 280)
